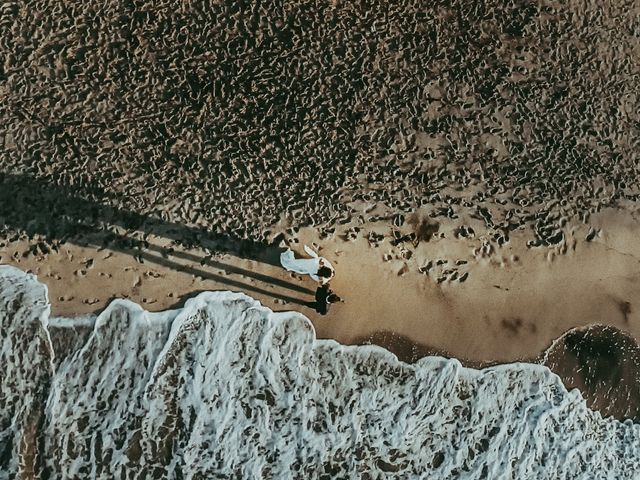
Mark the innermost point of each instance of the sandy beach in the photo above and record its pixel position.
(469, 168)
(471, 173)
(445, 296)
(505, 306)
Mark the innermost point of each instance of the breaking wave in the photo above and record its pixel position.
(226, 388)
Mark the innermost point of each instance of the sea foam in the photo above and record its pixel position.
(226, 388)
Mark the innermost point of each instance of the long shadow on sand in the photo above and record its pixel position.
(36, 207)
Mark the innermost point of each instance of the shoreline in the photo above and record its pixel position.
(230, 364)
(464, 297)
(470, 170)
(601, 361)
(511, 304)
(571, 308)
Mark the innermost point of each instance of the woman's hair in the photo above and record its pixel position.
(325, 272)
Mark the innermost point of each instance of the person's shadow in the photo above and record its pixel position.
(35, 207)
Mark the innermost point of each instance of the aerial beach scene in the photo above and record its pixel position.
(320, 240)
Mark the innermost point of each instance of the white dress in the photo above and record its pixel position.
(306, 266)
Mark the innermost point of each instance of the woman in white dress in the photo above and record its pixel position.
(318, 268)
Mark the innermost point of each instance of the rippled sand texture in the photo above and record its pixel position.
(230, 115)
(226, 388)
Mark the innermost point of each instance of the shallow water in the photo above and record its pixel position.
(226, 388)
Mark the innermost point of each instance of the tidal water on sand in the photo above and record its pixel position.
(226, 388)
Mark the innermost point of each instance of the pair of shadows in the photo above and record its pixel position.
(34, 206)
(161, 258)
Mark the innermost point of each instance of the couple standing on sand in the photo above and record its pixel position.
(319, 269)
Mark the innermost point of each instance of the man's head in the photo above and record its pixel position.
(325, 272)
(333, 298)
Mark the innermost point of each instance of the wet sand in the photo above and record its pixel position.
(505, 306)
(445, 296)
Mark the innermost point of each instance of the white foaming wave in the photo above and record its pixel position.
(226, 388)
(25, 365)
(81, 321)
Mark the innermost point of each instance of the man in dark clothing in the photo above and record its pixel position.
(325, 297)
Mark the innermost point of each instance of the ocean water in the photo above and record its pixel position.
(226, 388)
